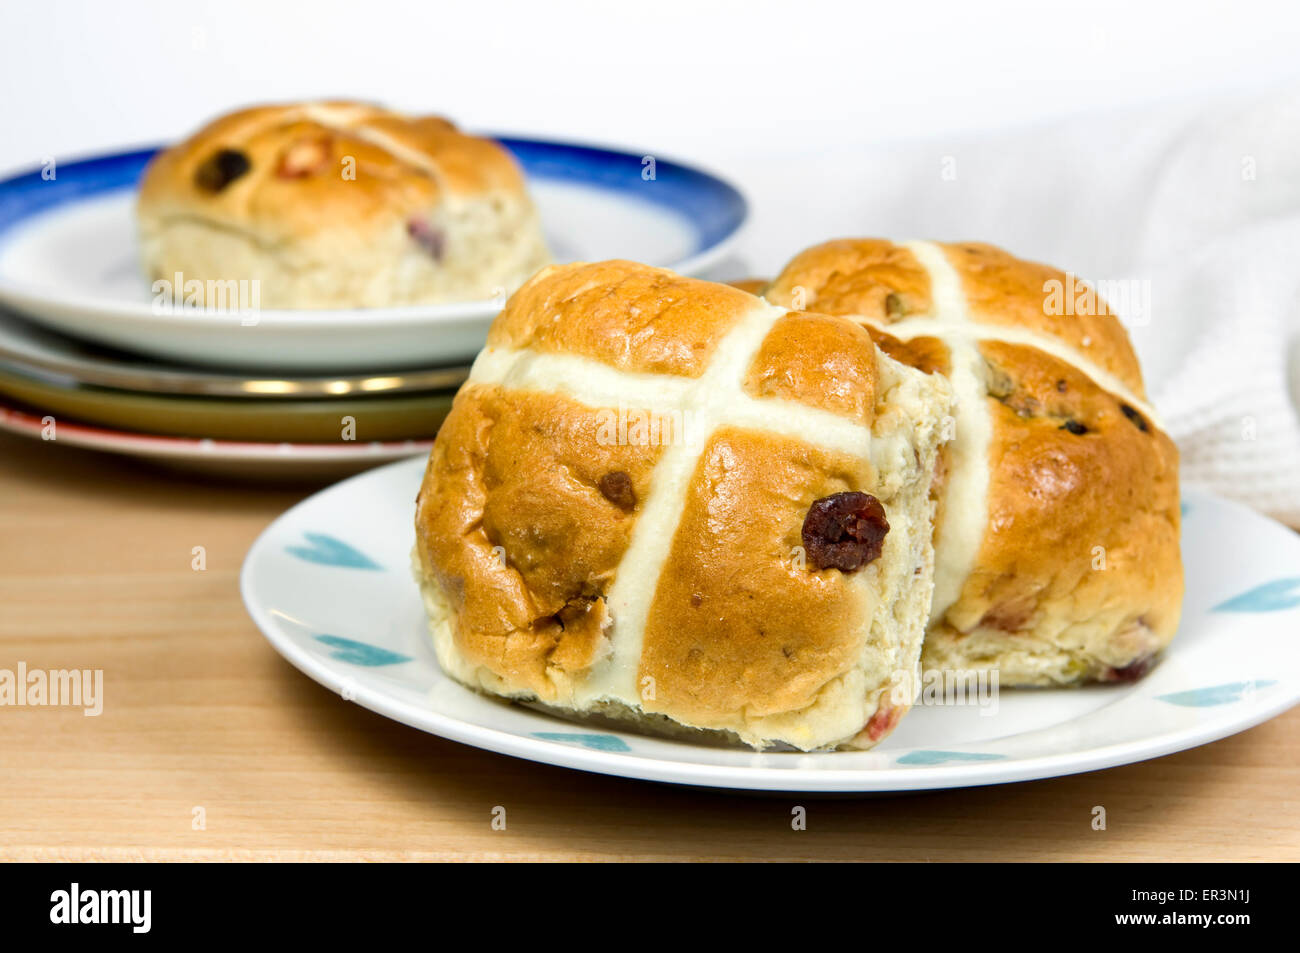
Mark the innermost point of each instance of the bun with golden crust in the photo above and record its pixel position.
(664, 500)
(1057, 536)
(338, 205)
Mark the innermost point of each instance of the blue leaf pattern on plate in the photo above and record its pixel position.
(360, 653)
(328, 551)
(1224, 694)
(1270, 597)
(595, 742)
(946, 757)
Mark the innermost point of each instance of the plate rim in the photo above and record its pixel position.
(736, 777)
(23, 423)
(275, 389)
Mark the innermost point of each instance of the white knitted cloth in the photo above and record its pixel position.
(1223, 234)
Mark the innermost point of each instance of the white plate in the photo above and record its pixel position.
(68, 259)
(329, 584)
(246, 459)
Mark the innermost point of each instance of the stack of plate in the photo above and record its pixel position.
(215, 420)
(89, 358)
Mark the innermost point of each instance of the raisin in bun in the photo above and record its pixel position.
(337, 205)
(1057, 544)
(667, 501)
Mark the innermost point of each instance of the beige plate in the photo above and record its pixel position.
(316, 420)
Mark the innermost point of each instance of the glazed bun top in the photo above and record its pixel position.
(287, 171)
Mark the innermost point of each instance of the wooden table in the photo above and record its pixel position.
(200, 712)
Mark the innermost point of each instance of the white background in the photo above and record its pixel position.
(779, 96)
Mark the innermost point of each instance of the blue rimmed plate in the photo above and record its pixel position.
(329, 585)
(68, 259)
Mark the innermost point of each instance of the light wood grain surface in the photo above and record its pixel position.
(200, 712)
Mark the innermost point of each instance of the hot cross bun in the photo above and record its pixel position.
(1057, 536)
(667, 500)
(340, 205)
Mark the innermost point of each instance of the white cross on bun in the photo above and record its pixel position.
(666, 500)
(1057, 536)
(340, 205)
